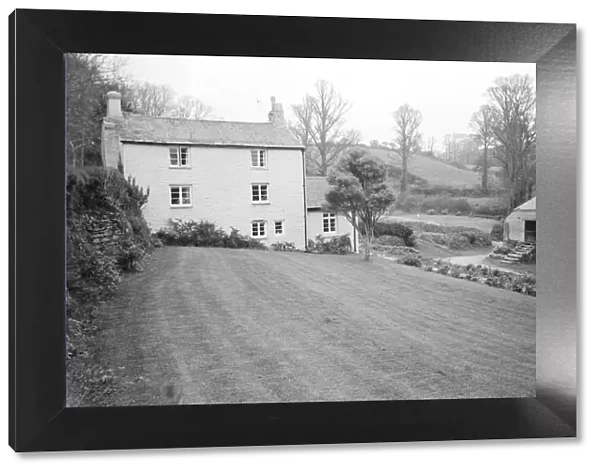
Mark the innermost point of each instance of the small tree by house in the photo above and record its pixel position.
(360, 193)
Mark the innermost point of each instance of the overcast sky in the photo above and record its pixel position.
(239, 88)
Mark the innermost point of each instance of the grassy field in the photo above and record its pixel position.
(241, 326)
(483, 224)
(435, 171)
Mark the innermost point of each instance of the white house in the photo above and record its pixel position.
(521, 224)
(236, 174)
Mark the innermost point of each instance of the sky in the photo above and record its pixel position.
(239, 88)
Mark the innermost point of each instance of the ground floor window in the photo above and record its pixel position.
(278, 227)
(329, 223)
(259, 229)
(181, 196)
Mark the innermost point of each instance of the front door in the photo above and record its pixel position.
(530, 231)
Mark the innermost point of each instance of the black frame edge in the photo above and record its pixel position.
(40, 423)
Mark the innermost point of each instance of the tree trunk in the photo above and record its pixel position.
(484, 175)
(368, 245)
(404, 183)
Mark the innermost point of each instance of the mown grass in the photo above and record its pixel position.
(247, 326)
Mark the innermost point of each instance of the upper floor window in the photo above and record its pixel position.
(260, 193)
(181, 196)
(179, 156)
(329, 223)
(258, 158)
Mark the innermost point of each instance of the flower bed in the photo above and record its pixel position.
(494, 277)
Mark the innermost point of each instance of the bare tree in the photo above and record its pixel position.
(190, 107)
(301, 129)
(304, 115)
(513, 99)
(483, 124)
(89, 78)
(152, 99)
(320, 125)
(430, 144)
(407, 121)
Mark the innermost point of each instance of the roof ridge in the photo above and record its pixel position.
(135, 115)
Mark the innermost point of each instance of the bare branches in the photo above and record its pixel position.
(484, 123)
(407, 120)
(188, 106)
(320, 119)
(513, 100)
(152, 99)
(304, 115)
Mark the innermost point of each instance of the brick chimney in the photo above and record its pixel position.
(113, 105)
(276, 114)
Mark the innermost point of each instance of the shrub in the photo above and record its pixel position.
(530, 258)
(284, 246)
(408, 203)
(502, 250)
(389, 240)
(436, 204)
(205, 234)
(395, 229)
(494, 209)
(129, 256)
(396, 251)
(410, 260)
(437, 238)
(341, 245)
(494, 277)
(106, 234)
(458, 242)
(497, 233)
(431, 212)
(395, 172)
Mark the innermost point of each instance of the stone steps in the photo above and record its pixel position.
(517, 254)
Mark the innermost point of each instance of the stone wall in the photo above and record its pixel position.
(106, 230)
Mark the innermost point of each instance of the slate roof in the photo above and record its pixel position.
(143, 129)
(316, 188)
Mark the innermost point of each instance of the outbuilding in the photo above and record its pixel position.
(520, 225)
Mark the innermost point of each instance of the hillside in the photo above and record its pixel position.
(436, 172)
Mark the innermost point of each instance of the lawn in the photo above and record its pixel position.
(242, 326)
(483, 224)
